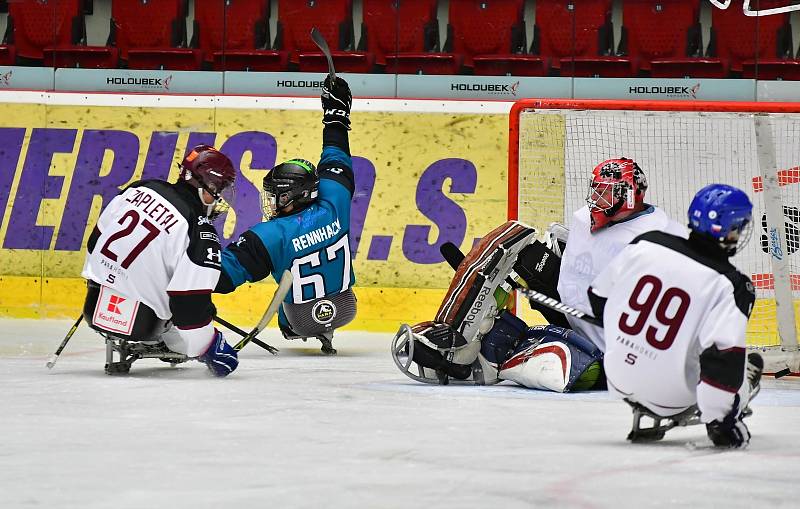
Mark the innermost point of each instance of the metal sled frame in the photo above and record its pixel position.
(130, 351)
(403, 357)
(661, 425)
(326, 339)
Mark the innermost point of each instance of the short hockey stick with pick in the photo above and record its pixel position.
(54, 357)
(284, 286)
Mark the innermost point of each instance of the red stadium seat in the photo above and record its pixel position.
(334, 20)
(663, 38)
(151, 34)
(234, 34)
(491, 36)
(8, 54)
(50, 32)
(754, 44)
(578, 39)
(404, 37)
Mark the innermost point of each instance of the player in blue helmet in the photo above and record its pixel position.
(307, 231)
(675, 314)
(723, 213)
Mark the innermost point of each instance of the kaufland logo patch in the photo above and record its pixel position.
(113, 304)
(114, 313)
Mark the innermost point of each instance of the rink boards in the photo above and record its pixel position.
(427, 172)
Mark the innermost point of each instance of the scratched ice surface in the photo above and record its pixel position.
(303, 430)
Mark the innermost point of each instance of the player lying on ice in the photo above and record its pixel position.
(153, 259)
(474, 339)
(306, 232)
(675, 312)
(615, 213)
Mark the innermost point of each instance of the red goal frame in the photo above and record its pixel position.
(604, 104)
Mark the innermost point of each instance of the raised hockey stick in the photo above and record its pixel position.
(237, 330)
(320, 41)
(54, 357)
(453, 256)
(284, 286)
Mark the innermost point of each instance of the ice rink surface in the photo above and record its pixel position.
(301, 430)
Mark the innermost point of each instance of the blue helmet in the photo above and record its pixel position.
(724, 213)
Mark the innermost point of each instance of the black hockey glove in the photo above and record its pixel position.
(730, 432)
(336, 102)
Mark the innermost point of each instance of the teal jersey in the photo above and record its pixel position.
(313, 244)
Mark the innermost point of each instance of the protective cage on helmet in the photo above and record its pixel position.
(616, 186)
(289, 187)
(723, 213)
(209, 170)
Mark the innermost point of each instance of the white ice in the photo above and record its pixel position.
(301, 430)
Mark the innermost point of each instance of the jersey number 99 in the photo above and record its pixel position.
(646, 296)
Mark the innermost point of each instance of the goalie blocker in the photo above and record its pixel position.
(473, 339)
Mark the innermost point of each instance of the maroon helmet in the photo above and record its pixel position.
(206, 168)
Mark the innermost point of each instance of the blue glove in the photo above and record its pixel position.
(220, 357)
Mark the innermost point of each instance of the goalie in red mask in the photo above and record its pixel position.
(615, 213)
(616, 191)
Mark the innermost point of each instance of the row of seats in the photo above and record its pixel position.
(661, 38)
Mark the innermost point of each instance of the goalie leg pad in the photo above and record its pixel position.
(553, 358)
(469, 305)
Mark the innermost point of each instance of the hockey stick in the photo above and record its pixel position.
(284, 286)
(320, 41)
(237, 330)
(453, 256)
(54, 357)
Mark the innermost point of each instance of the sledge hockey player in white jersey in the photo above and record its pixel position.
(675, 312)
(474, 339)
(153, 260)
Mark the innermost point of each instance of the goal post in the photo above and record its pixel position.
(681, 146)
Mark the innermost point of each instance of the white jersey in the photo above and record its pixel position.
(589, 253)
(151, 246)
(674, 321)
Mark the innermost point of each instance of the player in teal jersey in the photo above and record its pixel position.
(307, 232)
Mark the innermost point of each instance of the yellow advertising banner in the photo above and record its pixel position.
(422, 179)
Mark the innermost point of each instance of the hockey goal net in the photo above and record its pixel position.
(681, 146)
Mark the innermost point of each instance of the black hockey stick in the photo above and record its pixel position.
(320, 41)
(453, 256)
(284, 286)
(54, 357)
(237, 330)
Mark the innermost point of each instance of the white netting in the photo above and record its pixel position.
(680, 152)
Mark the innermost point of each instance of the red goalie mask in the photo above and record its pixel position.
(617, 186)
